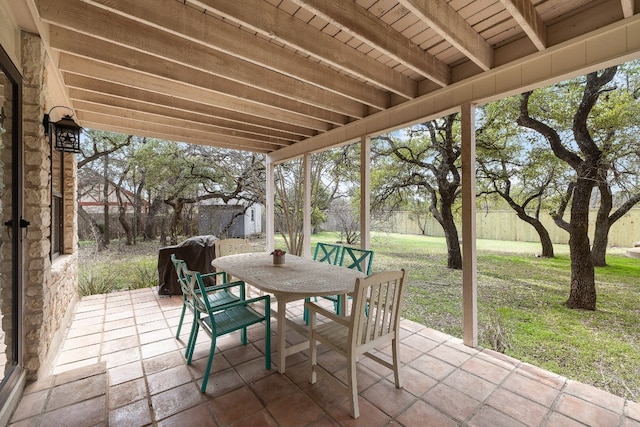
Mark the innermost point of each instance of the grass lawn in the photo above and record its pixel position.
(520, 302)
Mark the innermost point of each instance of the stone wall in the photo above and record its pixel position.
(49, 291)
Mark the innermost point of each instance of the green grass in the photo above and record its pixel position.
(520, 302)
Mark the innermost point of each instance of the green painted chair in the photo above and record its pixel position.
(324, 252)
(222, 320)
(355, 259)
(216, 295)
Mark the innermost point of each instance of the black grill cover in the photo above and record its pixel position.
(197, 252)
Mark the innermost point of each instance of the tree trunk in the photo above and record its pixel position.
(543, 234)
(583, 287)
(125, 225)
(105, 195)
(93, 226)
(454, 255)
(150, 224)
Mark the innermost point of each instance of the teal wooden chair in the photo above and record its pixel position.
(216, 295)
(359, 259)
(222, 320)
(324, 252)
(354, 258)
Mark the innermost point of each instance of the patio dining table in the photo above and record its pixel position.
(296, 279)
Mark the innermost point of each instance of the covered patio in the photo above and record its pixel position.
(121, 365)
(284, 79)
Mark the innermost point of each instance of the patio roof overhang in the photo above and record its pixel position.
(296, 76)
(291, 77)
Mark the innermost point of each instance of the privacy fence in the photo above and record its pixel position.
(505, 225)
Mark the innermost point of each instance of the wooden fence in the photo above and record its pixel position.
(505, 225)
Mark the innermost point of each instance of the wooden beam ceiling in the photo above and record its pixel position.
(267, 75)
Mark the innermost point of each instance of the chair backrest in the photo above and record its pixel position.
(327, 252)
(224, 247)
(359, 259)
(195, 287)
(375, 314)
(181, 268)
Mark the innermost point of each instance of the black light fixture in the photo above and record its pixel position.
(63, 134)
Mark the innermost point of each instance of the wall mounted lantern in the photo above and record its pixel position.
(64, 134)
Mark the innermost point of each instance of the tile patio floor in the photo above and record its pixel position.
(120, 365)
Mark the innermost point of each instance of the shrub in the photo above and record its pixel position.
(96, 282)
(145, 274)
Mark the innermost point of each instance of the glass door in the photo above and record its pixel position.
(12, 225)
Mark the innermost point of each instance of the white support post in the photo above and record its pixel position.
(306, 212)
(469, 262)
(269, 202)
(365, 192)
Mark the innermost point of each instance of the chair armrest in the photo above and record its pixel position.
(265, 298)
(215, 274)
(239, 283)
(326, 313)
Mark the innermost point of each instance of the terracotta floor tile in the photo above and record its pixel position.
(632, 410)
(75, 365)
(158, 347)
(470, 384)
(72, 343)
(488, 416)
(129, 331)
(132, 415)
(387, 397)
(200, 416)
(273, 387)
(77, 391)
(531, 389)
(518, 407)
(131, 391)
(222, 382)
(235, 405)
(119, 344)
(432, 366)
(451, 402)
(122, 357)
(167, 379)
(81, 373)
(124, 373)
(594, 395)
(370, 416)
(420, 413)
(176, 400)
(150, 384)
(254, 369)
(162, 362)
(486, 370)
(549, 378)
(416, 382)
(87, 413)
(30, 405)
(294, 410)
(586, 412)
(558, 419)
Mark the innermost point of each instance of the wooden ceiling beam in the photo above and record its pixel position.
(98, 23)
(89, 85)
(123, 76)
(628, 8)
(184, 21)
(143, 65)
(132, 109)
(443, 19)
(362, 24)
(526, 16)
(146, 128)
(273, 23)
